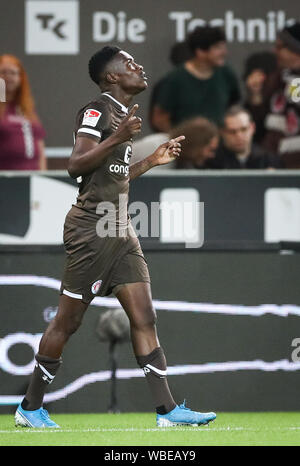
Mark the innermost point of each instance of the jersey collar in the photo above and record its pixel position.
(124, 109)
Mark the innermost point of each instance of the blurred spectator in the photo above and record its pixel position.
(276, 99)
(179, 53)
(202, 86)
(258, 68)
(21, 133)
(145, 146)
(237, 149)
(200, 144)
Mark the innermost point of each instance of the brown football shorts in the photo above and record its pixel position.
(95, 265)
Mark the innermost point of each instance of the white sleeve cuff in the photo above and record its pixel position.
(93, 132)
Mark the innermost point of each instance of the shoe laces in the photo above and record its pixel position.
(182, 406)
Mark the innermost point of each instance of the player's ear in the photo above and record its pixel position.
(111, 77)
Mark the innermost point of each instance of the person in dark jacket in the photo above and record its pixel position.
(237, 149)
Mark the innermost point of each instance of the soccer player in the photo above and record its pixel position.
(103, 253)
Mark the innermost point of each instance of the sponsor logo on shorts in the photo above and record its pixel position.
(96, 286)
(91, 117)
(119, 169)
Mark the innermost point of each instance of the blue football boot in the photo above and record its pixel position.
(181, 415)
(37, 419)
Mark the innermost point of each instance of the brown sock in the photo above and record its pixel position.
(43, 374)
(155, 368)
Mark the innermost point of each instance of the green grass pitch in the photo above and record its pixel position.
(139, 429)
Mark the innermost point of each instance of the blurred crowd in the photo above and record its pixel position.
(229, 123)
(252, 122)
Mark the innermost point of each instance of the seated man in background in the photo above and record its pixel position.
(237, 149)
(202, 86)
(276, 100)
(200, 144)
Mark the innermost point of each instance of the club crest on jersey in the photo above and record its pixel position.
(91, 117)
(96, 286)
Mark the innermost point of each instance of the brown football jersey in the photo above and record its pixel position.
(105, 191)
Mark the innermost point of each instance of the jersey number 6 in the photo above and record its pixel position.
(128, 154)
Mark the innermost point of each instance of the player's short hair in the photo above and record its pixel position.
(99, 61)
(203, 37)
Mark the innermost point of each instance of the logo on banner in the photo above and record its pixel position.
(52, 27)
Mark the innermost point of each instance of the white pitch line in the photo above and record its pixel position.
(158, 429)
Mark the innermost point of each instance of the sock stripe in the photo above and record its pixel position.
(158, 371)
(51, 377)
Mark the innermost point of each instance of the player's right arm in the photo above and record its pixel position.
(88, 154)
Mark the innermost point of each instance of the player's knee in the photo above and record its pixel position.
(146, 319)
(67, 326)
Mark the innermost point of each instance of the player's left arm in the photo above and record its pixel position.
(164, 154)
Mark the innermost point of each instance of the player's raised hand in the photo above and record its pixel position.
(130, 125)
(168, 151)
